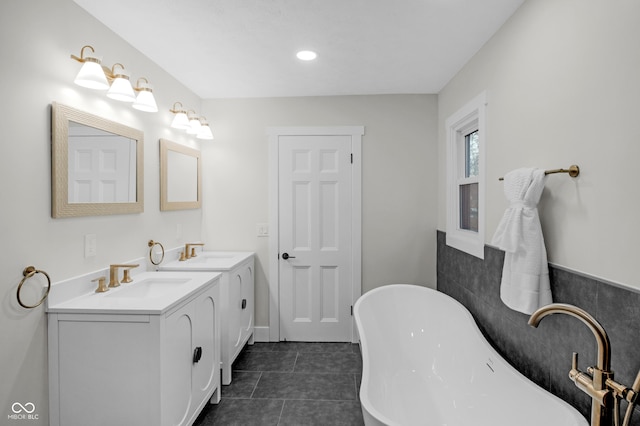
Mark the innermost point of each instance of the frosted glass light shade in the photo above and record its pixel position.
(180, 121)
(205, 132)
(121, 89)
(91, 75)
(194, 126)
(145, 102)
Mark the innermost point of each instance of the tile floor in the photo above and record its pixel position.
(291, 383)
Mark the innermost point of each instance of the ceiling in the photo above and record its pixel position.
(246, 48)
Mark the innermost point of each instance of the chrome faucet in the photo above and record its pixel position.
(113, 274)
(598, 382)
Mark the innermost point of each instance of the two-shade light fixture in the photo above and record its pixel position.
(189, 121)
(115, 80)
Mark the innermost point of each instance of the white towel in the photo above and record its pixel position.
(525, 274)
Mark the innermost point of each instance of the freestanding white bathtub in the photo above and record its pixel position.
(425, 362)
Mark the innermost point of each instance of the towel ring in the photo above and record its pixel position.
(29, 272)
(152, 244)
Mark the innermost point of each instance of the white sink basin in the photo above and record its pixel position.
(211, 256)
(149, 288)
(217, 255)
(150, 292)
(208, 261)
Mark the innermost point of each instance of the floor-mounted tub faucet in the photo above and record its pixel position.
(598, 382)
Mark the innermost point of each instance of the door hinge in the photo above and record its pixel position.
(352, 158)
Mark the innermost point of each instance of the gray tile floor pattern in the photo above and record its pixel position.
(291, 384)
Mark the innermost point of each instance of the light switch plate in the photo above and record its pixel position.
(90, 245)
(262, 230)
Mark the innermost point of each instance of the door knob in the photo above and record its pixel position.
(286, 256)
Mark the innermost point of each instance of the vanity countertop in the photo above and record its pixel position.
(150, 293)
(209, 261)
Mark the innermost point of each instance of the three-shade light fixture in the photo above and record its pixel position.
(115, 80)
(189, 121)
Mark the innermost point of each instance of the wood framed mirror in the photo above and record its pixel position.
(180, 177)
(96, 165)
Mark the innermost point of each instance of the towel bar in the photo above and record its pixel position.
(573, 171)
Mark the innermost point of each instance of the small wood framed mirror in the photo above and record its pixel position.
(180, 177)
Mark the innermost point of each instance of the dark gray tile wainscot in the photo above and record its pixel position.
(543, 354)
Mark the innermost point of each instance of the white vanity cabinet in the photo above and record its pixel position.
(136, 368)
(237, 296)
(237, 321)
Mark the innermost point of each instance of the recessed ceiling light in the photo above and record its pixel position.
(306, 55)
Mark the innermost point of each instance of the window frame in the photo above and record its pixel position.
(468, 119)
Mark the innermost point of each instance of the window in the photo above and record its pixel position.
(465, 177)
(468, 185)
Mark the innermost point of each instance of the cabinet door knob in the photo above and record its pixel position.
(244, 303)
(197, 354)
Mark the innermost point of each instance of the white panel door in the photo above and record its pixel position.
(315, 238)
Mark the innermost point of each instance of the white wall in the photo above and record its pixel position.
(399, 179)
(36, 39)
(563, 84)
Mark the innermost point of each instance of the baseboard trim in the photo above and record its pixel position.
(261, 334)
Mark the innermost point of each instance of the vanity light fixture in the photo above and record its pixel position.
(91, 74)
(180, 120)
(190, 121)
(145, 100)
(205, 130)
(121, 89)
(94, 75)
